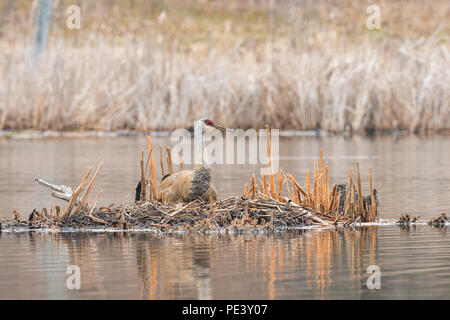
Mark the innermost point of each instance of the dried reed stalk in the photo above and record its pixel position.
(254, 187)
(89, 188)
(333, 198)
(169, 160)
(152, 169)
(321, 180)
(74, 198)
(264, 185)
(269, 153)
(161, 160)
(327, 186)
(143, 178)
(308, 187)
(320, 192)
(360, 196)
(246, 193)
(348, 193)
(352, 193)
(91, 209)
(280, 183)
(315, 188)
(295, 194)
(372, 198)
(294, 182)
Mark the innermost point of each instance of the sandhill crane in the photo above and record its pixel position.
(189, 185)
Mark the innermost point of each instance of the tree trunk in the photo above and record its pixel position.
(41, 27)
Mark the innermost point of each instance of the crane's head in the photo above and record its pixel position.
(209, 126)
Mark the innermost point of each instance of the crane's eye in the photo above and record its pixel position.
(209, 122)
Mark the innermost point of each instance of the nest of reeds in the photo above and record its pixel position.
(234, 214)
(269, 203)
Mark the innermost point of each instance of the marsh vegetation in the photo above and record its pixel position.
(297, 65)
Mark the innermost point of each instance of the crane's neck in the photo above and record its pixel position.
(201, 179)
(200, 154)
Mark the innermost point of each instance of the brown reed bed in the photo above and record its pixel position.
(329, 89)
(268, 203)
(316, 71)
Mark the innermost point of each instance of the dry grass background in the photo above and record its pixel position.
(164, 64)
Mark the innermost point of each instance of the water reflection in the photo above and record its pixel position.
(306, 263)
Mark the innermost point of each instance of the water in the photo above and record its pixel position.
(411, 174)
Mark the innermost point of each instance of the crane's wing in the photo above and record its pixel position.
(175, 187)
(212, 194)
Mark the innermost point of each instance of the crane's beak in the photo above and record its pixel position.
(221, 129)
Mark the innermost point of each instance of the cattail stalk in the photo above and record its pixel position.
(89, 188)
(360, 197)
(246, 193)
(280, 183)
(161, 160)
(254, 188)
(269, 153)
(143, 178)
(74, 198)
(333, 198)
(372, 198)
(308, 187)
(91, 208)
(152, 169)
(295, 194)
(264, 190)
(169, 160)
(327, 186)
